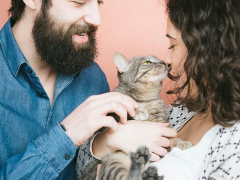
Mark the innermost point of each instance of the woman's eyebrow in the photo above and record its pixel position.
(170, 36)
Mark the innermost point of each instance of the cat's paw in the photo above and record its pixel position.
(142, 155)
(141, 114)
(151, 174)
(176, 142)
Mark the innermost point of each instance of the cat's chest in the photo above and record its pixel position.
(150, 104)
(151, 111)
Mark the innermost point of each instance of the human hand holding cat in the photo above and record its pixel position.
(128, 137)
(90, 116)
(98, 170)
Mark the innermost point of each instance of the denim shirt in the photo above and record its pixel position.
(33, 145)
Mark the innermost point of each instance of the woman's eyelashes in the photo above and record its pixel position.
(172, 46)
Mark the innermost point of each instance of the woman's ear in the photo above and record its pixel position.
(31, 4)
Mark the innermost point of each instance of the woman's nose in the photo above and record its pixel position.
(167, 58)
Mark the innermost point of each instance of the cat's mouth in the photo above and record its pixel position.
(162, 72)
(158, 77)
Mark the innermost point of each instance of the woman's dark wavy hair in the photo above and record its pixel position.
(17, 9)
(210, 29)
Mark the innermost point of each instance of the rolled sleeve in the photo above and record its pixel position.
(43, 158)
(57, 147)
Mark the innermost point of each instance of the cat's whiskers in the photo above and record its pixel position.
(158, 78)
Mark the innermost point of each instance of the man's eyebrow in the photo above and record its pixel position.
(170, 36)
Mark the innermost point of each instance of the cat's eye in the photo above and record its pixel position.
(148, 62)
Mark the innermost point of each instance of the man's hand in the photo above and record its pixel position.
(90, 116)
(128, 137)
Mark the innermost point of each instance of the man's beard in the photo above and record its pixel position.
(54, 45)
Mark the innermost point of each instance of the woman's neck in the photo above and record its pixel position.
(196, 128)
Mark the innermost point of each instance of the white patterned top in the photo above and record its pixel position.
(215, 157)
(178, 116)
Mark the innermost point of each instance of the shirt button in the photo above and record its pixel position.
(67, 156)
(40, 94)
(29, 70)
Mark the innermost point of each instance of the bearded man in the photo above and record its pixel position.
(47, 75)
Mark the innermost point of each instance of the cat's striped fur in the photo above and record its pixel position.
(140, 78)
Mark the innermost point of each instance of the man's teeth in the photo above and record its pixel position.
(83, 34)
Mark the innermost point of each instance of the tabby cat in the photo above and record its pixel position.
(140, 78)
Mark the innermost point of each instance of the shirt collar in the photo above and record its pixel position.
(13, 55)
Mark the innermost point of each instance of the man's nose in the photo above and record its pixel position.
(93, 14)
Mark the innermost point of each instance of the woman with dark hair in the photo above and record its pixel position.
(204, 59)
(205, 63)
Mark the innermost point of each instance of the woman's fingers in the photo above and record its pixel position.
(158, 150)
(164, 142)
(163, 129)
(158, 123)
(98, 170)
(168, 132)
(164, 124)
(154, 157)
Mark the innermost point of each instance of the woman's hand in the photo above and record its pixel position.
(98, 170)
(128, 137)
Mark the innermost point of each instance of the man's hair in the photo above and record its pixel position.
(17, 9)
(210, 30)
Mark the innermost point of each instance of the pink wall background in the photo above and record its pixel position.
(132, 27)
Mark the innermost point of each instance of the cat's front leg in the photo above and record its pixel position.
(151, 174)
(138, 162)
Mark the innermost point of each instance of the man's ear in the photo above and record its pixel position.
(31, 4)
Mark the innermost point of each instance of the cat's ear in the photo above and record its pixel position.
(121, 62)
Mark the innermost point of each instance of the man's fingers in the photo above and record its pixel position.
(98, 100)
(112, 107)
(109, 122)
(128, 103)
